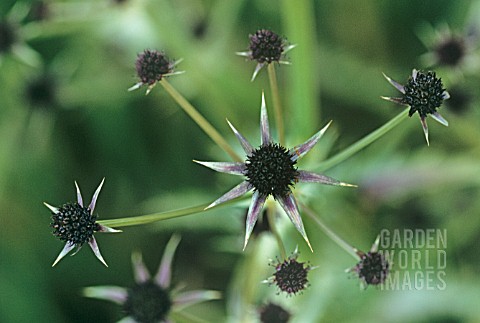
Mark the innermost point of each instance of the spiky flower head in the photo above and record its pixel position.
(151, 299)
(152, 66)
(273, 313)
(424, 94)
(373, 267)
(290, 276)
(75, 224)
(450, 51)
(266, 47)
(270, 170)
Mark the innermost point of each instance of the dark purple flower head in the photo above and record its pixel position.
(273, 313)
(373, 267)
(266, 47)
(152, 66)
(75, 224)
(290, 276)
(147, 302)
(423, 93)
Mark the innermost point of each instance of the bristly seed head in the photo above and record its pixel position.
(266, 46)
(147, 303)
(291, 276)
(423, 93)
(151, 65)
(373, 268)
(74, 224)
(271, 170)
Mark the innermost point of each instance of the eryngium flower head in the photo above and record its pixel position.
(290, 276)
(424, 94)
(266, 47)
(450, 51)
(273, 313)
(151, 299)
(270, 170)
(373, 267)
(75, 224)
(152, 66)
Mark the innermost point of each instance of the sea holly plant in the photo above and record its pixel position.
(75, 224)
(151, 299)
(270, 170)
(424, 94)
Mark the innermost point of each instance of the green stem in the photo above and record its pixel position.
(277, 106)
(199, 120)
(362, 143)
(155, 217)
(339, 241)
(274, 230)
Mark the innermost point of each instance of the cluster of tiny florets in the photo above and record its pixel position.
(373, 268)
(74, 224)
(266, 46)
(291, 276)
(424, 93)
(271, 170)
(151, 65)
(147, 303)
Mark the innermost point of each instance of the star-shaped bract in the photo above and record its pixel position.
(270, 170)
(75, 224)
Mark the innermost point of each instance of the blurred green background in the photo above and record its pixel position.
(66, 115)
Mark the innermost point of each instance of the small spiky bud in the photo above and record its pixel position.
(290, 275)
(266, 46)
(151, 65)
(424, 93)
(271, 170)
(273, 313)
(147, 302)
(74, 224)
(373, 268)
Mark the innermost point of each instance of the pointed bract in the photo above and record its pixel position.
(95, 196)
(110, 293)
(303, 149)
(397, 85)
(247, 147)
(290, 207)
(193, 297)
(234, 168)
(235, 192)
(310, 177)
(264, 125)
(94, 246)
(66, 249)
(79, 195)
(140, 272)
(164, 274)
(256, 206)
(437, 117)
(423, 121)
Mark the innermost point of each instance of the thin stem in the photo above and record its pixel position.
(339, 241)
(155, 217)
(274, 230)
(199, 120)
(362, 143)
(277, 106)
